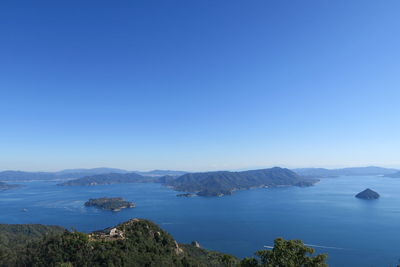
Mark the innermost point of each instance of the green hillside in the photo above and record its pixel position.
(225, 182)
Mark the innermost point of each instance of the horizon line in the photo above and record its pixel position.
(209, 170)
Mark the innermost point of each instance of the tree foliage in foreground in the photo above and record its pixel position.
(287, 253)
(140, 243)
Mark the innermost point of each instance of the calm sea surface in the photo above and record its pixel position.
(353, 232)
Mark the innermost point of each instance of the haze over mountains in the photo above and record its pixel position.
(322, 172)
(110, 178)
(204, 183)
(11, 175)
(215, 183)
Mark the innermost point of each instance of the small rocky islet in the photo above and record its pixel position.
(368, 194)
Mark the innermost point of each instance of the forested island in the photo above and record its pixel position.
(107, 203)
(225, 183)
(352, 171)
(137, 242)
(217, 183)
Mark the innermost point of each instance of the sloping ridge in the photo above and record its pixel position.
(137, 242)
(224, 182)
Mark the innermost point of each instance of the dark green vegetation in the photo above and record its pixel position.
(136, 242)
(368, 194)
(106, 203)
(225, 182)
(15, 237)
(321, 173)
(4, 186)
(287, 253)
(20, 234)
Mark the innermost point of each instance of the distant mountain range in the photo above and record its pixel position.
(202, 183)
(111, 178)
(322, 173)
(206, 183)
(21, 176)
(77, 173)
(90, 171)
(11, 175)
(393, 175)
(161, 173)
(225, 182)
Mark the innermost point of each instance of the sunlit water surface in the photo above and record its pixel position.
(357, 232)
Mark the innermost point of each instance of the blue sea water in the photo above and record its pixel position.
(353, 232)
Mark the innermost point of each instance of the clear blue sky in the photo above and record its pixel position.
(199, 85)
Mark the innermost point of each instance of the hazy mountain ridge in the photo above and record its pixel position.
(21, 176)
(65, 174)
(161, 173)
(322, 172)
(11, 175)
(110, 178)
(393, 175)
